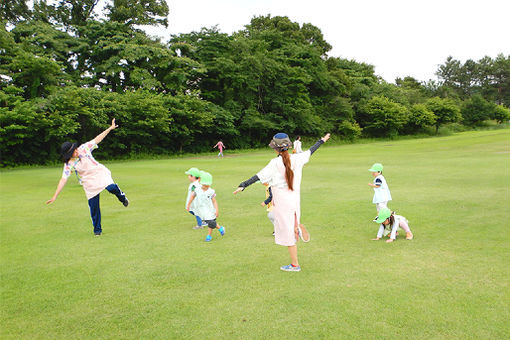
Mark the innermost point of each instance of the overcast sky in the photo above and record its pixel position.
(398, 37)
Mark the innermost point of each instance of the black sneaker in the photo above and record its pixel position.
(97, 234)
(126, 202)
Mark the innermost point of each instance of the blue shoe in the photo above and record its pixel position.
(208, 238)
(222, 231)
(290, 268)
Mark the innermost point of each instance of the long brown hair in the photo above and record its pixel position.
(289, 174)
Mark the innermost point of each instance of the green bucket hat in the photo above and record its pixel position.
(205, 178)
(193, 172)
(377, 167)
(384, 213)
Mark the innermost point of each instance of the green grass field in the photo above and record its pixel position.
(150, 276)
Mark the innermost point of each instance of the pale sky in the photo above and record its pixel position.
(398, 37)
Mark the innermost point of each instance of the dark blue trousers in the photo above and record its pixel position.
(199, 220)
(95, 210)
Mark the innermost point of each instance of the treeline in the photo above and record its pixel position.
(64, 73)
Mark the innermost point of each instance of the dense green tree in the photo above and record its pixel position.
(500, 114)
(44, 40)
(14, 11)
(476, 109)
(385, 118)
(66, 14)
(413, 90)
(445, 111)
(118, 58)
(488, 77)
(138, 12)
(419, 118)
(34, 74)
(32, 130)
(501, 82)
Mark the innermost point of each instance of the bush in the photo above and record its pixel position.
(500, 114)
(348, 130)
(419, 118)
(385, 118)
(445, 110)
(475, 110)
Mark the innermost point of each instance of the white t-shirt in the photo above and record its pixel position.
(204, 206)
(271, 173)
(382, 193)
(192, 187)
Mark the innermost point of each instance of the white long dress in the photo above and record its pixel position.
(286, 203)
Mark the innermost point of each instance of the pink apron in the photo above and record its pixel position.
(287, 211)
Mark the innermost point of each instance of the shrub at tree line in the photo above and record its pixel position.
(64, 74)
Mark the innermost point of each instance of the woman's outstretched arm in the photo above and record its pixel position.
(246, 183)
(319, 143)
(103, 134)
(60, 186)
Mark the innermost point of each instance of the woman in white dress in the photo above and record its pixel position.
(283, 174)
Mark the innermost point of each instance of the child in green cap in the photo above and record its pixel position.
(193, 177)
(206, 204)
(381, 190)
(389, 219)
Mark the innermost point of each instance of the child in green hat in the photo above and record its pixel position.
(389, 219)
(193, 177)
(206, 204)
(381, 190)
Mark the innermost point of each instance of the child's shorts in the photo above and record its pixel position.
(211, 223)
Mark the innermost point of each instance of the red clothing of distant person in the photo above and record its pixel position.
(220, 146)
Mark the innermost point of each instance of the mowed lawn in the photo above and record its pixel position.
(150, 276)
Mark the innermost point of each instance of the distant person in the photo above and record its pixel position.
(95, 177)
(220, 147)
(283, 174)
(297, 145)
(206, 204)
(388, 219)
(193, 177)
(382, 193)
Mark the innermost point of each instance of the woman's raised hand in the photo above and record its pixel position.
(113, 126)
(325, 138)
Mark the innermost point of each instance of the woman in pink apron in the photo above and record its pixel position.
(283, 174)
(95, 177)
